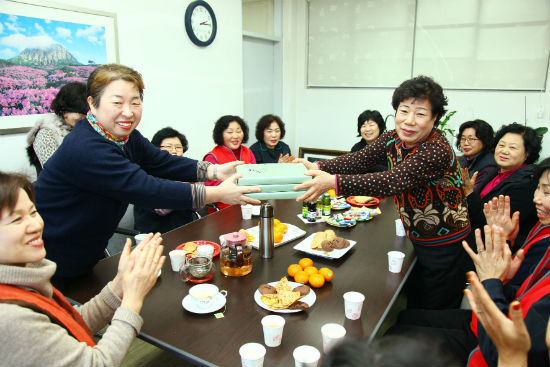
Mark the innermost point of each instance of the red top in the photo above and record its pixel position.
(495, 181)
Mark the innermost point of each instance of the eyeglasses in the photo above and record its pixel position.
(177, 148)
(468, 140)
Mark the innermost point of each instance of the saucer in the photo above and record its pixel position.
(217, 303)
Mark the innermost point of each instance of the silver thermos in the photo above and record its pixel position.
(266, 231)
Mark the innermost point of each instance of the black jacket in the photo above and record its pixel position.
(520, 186)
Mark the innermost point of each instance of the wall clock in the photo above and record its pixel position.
(200, 23)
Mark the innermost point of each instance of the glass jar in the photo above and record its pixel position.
(235, 255)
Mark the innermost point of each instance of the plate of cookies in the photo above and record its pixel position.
(363, 200)
(191, 247)
(284, 296)
(325, 244)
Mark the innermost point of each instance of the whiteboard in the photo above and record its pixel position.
(466, 44)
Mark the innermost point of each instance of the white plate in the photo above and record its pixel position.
(291, 234)
(190, 305)
(317, 220)
(308, 298)
(305, 246)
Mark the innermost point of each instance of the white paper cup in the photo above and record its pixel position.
(306, 356)
(140, 237)
(273, 330)
(246, 210)
(252, 355)
(353, 303)
(205, 251)
(332, 334)
(177, 258)
(395, 261)
(203, 294)
(399, 229)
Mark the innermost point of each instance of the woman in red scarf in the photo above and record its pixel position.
(38, 325)
(230, 132)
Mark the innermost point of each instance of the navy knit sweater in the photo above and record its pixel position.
(86, 186)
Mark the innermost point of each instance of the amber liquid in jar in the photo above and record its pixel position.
(232, 268)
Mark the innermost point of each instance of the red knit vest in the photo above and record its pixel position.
(58, 309)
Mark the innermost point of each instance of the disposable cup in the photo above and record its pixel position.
(353, 303)
(246, 210)
(332, 334)
(140, 237)
(273, 330)
(177, 258)
(306, 356)
(395, 261)
(399, 229)
(205, 251)
(252, 355)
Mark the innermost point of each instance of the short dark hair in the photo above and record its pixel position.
(264, 123)
(484, 132)
(10, 183)
(371, 115)
(422, 88)
(168, 132)
(540, 168)
(70, 98)
(222, 124)
(531, 141)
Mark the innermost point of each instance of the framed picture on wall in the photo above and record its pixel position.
(315, 154)
(42, 47)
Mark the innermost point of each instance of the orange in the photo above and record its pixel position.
(276, 222)
(301, 277)
(316, 280)
(311, 270)
(305, 262)
(327, 273)
(293, 269)
(278, 237)
(283, 227)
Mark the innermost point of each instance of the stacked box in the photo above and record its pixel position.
(277, 180)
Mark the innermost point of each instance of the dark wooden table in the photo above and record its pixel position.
(206, 340)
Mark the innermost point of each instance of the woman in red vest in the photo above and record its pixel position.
(38, 325)
(525, 278)
(230, 133)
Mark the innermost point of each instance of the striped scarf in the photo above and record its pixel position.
(107, 135)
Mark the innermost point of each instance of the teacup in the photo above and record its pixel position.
(197, 269)
(204, 294)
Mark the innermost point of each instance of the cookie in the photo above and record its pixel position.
(303, 289)
(267, 289)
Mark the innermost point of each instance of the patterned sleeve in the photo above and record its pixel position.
(426, 164)
(45, 145)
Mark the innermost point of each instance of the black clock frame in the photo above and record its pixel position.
(189, 28)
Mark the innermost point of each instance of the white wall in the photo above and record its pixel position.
(186, 86)
(327, 117)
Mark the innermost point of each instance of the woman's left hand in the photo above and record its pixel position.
(467, 181)
(510, 335)
(321, 183)
(226, 170)
(494, 258)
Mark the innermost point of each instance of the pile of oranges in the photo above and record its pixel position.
(305, 273)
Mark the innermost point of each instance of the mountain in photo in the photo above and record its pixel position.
(56, 55)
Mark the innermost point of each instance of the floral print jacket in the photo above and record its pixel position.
(425, 182)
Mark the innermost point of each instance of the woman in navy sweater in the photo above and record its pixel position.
(104, 164)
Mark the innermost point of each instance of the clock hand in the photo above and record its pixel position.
(204, 23)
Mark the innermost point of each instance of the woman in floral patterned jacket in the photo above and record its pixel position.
(425, 180)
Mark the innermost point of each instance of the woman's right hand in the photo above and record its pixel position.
(497, 212)
(140, 273)
(467, 181)
(229, 192)
(309, 165)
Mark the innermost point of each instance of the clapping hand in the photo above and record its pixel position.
(286, 158)
(468, 182)
(509, 335)
(497, 212)
(493, 258)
